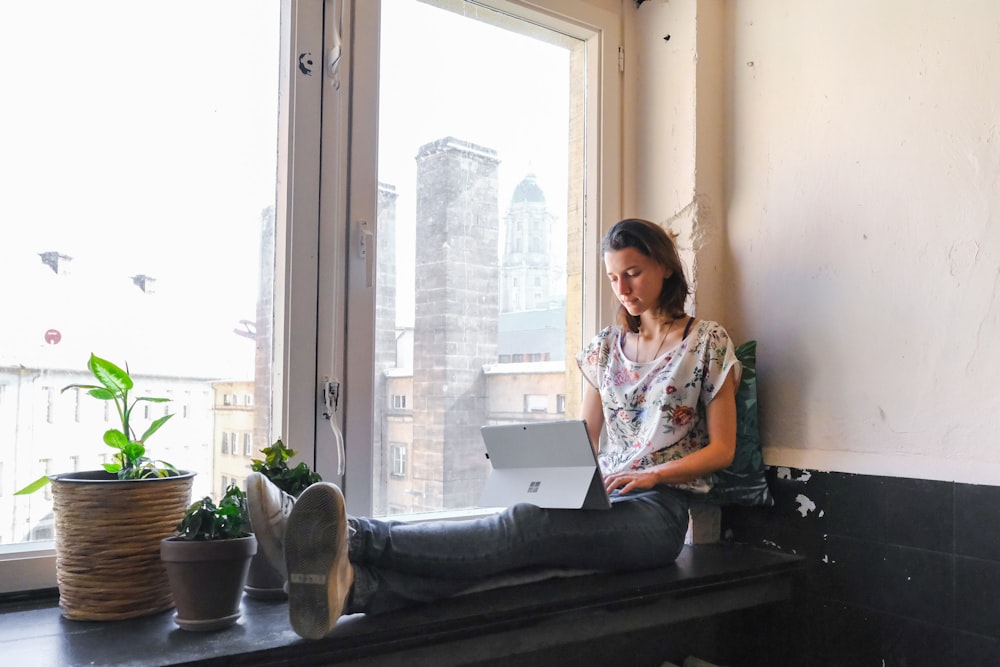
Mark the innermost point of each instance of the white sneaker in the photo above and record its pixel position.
(319, 570)
(269, 508)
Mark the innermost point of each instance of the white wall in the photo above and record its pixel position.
(854, 232)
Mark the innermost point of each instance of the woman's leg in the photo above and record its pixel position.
(418, 562)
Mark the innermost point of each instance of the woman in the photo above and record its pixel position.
(662, 388)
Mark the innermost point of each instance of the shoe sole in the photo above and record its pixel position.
(260, 524)
(315, 548)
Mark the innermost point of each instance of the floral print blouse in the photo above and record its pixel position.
(655, 411)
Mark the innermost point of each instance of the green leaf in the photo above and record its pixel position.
(110, 375)
(134, 451)
(154, 427)
(34, 486)
(115, 438)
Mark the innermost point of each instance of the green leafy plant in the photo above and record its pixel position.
(204, 520)
(130, 462)
(274, 466)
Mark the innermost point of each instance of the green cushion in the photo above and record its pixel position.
(744, 482)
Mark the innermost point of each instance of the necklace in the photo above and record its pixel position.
(638, 336)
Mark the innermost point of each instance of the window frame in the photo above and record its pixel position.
(350, 146)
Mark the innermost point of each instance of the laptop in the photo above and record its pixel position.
(550, 464)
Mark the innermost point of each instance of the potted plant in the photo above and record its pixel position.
(264, 581)
(207, 561)
(109, 522)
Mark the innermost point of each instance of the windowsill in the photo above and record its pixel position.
(705, 580)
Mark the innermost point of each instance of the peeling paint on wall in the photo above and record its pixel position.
(805, 504)
(691, 228)
(786, 473)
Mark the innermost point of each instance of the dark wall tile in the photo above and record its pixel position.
(920, 513)
(977, 596)
(906, 571)
(919, 584)
(854, 505)
(845, 636)
(977, 516)
(851, 572)
(903, 641)
(976, 651)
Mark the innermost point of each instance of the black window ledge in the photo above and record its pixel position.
(706, 579)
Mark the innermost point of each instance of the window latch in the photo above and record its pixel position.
(331, 397)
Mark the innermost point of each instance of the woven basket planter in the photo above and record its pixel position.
(108, 534)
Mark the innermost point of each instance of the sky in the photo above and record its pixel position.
(446, 75)
(137, 152)
(152, 151)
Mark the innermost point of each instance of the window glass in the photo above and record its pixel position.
(138, 178)
(479, 183)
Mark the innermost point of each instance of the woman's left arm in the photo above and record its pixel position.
(716, 455)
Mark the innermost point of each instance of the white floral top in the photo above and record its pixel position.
(655, 411)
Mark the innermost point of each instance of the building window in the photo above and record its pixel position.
(536, 403)
(233, 443)
(248, 399)
(398, 460)
(560, 403)
(225, 442)
(399, 401)
(247, 444)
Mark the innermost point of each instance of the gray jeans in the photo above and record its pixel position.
(397, 564)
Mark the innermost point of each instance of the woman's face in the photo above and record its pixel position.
(636, 279)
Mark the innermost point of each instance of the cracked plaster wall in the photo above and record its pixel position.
(842, 210)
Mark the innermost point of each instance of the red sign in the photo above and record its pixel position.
(52, 336)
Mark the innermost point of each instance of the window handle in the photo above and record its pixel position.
(366, 250)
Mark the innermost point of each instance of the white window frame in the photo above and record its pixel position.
(349, 122)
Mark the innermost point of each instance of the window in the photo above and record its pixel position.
(472, 224)
(233, 444)
(159, 146)
(399, 401)
(560, 403)
(536, 403)
(247, 444)
(398, 453)
(225, 442)
(116, 154)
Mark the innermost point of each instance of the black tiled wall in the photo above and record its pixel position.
(905, 571)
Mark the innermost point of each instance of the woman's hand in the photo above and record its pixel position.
(629, 481)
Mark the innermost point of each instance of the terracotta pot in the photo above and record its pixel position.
(108, 534)
(207, 579)
(264, 582)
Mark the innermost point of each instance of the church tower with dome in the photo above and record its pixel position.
(532, 279)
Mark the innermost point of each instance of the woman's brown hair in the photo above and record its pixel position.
(652, 241)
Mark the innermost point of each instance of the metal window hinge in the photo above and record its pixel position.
(621, 58)
(331, 397)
